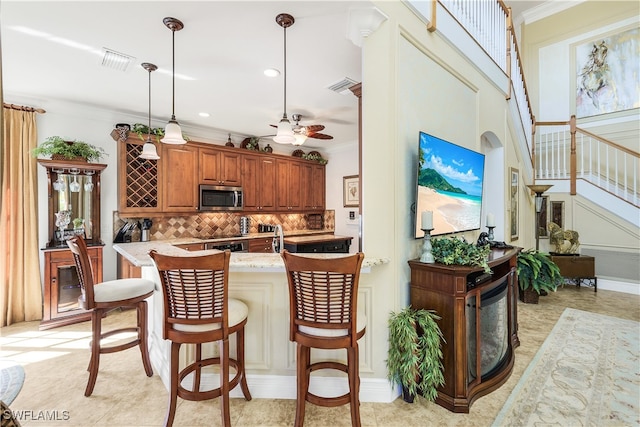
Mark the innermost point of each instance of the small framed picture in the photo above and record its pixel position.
(351, 191)
(514, 188)
(544, 218)
(557, 213)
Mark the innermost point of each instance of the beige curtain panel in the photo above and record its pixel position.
(21, 288)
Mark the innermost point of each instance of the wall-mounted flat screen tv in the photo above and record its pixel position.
(449, 184)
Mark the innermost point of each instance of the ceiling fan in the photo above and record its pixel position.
(310, 131)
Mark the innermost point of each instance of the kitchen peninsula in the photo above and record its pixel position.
(258, 280)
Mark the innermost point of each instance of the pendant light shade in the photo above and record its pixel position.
(172, 132)
(149, 151)
(285, 132)
(300, 138)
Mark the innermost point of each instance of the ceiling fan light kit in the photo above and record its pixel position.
(149, 151)
(285, 132)
(172, 132)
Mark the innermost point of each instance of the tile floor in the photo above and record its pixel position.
(55, 363)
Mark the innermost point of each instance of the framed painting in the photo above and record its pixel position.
(514, 184)
(607, 70)
(350, 191)
(543, 218)
(557, 213)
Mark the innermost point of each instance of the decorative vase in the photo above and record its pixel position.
(406, 396)
(529, 296)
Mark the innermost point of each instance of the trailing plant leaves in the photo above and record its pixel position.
(415, 353)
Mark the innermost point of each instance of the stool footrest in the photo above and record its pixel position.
(328, 401)
(328, 365)
(120, 347)
(207, 394)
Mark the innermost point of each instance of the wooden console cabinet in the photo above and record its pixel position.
(62, 288)
(579, 268)
(478, 320)
(73, 190)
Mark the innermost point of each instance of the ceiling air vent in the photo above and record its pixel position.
(342, 87)
(116, 60)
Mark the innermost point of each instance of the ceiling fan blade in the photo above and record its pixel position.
(317, 135)
(314, 128)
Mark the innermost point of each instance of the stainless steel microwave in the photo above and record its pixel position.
(220, 198)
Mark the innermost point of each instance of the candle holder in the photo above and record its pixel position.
(427, 256)
(490, 236)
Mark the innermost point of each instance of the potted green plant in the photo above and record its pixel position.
(415, 353)
(536, 273)
(58, 149)
(143, 130)
(455, 251)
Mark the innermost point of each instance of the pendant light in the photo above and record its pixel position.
(149, 151)
(172, 132)
(285, 132)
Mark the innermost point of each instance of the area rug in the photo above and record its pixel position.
(11, 380)
(586, 373)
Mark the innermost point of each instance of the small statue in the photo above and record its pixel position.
(565, 241)
(483, 239)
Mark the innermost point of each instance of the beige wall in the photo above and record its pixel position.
(414, 80)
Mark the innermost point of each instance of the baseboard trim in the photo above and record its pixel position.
(618, 286)
(284, 387)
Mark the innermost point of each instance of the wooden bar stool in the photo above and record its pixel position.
(197, 310)
(323, 296)
(103, 297)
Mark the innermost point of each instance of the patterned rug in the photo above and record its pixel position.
(11, 380)
(587, 373)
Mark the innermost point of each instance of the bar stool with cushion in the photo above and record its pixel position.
(323, 297)
(197, 310)
(103, 297)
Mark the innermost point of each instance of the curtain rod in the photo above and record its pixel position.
(23, 108)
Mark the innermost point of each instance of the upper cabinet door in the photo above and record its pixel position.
(259, 183)
(180, 178)
(218, 167)
(289, 185)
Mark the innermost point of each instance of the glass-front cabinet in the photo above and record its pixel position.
(73, 190)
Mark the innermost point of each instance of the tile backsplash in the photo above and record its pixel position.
(220, 224)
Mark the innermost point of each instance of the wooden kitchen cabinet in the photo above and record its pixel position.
(180, 178)
(220, 167)
(126, 269)
(138, 179)
(289, 185)
(270, 182)
(191, 246)
(62, 288)
(318, 244)
(261, 245)
(313, 187)
(259, 183)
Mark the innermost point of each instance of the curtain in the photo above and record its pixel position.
(20, 286)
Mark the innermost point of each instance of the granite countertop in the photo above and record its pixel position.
(138, 254)
(296, 240)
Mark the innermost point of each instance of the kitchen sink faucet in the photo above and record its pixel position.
(278, 239)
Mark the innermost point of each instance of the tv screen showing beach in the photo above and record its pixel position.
(449, 181)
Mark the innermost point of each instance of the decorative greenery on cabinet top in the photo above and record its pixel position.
(455, 251)
(56, 147)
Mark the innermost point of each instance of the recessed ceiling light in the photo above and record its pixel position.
(204, 114)
(271, 72)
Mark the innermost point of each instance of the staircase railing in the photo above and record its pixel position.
(491, 26)
(562, 150)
